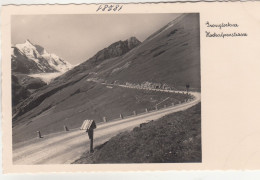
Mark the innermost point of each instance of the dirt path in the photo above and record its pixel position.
(66, 147)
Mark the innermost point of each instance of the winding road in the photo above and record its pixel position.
(66, 147)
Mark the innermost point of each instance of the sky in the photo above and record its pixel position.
(75, 38)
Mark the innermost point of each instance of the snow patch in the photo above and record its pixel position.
(46, 77)
(57, 63)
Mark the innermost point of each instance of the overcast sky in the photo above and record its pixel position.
(76, 38)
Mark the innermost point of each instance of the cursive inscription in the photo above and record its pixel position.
(221, 25)
(221, 30)
(223, 35)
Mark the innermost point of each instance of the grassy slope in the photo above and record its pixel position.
(173, 138)
(172, 57)
(86, 100)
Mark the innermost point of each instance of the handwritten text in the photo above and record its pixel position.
(223, 30)
(107, 7)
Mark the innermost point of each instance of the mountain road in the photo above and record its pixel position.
(66, 147)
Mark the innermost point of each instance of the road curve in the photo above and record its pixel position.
(66, 147)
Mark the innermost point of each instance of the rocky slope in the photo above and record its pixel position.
(115, 50)
(104, 56)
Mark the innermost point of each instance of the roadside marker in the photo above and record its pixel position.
(66, 128)
(104, 119)
(89, 126)
(39, 134)
(86, 124)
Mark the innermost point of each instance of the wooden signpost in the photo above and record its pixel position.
(89, 126)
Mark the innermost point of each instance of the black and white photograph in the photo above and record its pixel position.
(106, 88)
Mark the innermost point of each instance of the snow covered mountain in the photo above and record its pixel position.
(28, 58)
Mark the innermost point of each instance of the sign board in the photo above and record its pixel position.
(86, 124)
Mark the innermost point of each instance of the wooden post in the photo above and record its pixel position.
(121, 116)
(39, 134)
(104, 119)
(146, 110)
(156, 108)
(134, 113)
(172, 104)
(91, 137)
(66, 128)
(91, 146)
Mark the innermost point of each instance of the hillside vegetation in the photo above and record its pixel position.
(173, 138)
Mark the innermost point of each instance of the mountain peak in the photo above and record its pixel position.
(133, 42)
(116, 49)
(132, 38)
(28, 42)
